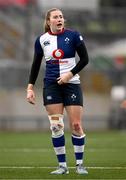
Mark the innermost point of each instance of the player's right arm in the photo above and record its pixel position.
(38, 55)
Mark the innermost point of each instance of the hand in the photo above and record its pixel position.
(64, 78)
(31, 96)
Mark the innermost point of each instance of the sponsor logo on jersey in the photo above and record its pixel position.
(58, 54)
(46, 43)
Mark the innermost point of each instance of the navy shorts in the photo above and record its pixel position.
(68, 94)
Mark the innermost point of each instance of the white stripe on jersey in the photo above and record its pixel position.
(66, 65)
(48, 49)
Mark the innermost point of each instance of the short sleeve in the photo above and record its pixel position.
(78, 39)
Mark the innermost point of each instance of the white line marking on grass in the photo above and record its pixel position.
(42, 167)
(55, 179)
(106, 167)
(25, 150)
(42, 150)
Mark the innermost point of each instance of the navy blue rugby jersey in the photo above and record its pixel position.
(59, 53)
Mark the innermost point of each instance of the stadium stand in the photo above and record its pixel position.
(19, 25)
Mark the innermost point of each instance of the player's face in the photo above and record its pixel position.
(56, 21)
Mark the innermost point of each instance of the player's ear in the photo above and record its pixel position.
(48, 22)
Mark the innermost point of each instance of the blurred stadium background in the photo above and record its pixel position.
(102, 23)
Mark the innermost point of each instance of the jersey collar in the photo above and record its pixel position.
(61, 32)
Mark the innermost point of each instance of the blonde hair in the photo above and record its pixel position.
(47, 17)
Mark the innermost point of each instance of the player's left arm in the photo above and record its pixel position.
(84, 59)
(82, 52)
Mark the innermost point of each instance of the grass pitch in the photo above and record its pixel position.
(31, 156)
